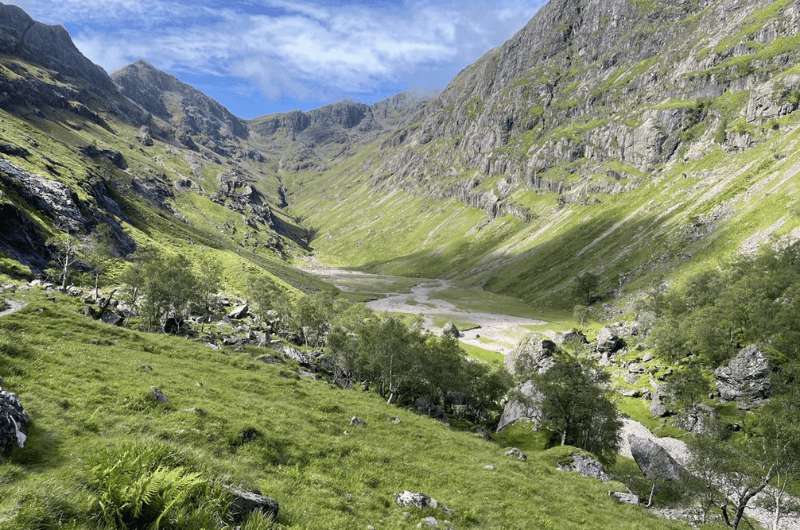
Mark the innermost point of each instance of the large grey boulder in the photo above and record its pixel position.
(451, 330)
(533, 355)
(523, 405)
(586, 466)
(245, 503)
(609, 342)
(745, 379)
(624, 498)
(412, 499)
(13, 422)
(698, 420)
(239, 312)
(654, 461)
(658, 405)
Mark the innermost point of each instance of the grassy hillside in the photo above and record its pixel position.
(241, 421)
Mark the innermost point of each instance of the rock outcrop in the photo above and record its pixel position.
(533, 355)
(654, 461)
(522, 406)
(745, 379)
(193, 116)
(586, 466)
(245, 503)
(13, 422)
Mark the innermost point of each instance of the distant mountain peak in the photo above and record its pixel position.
(188, 110)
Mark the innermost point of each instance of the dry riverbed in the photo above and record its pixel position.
(493, 331)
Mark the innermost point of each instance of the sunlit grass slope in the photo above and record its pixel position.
(262, 426)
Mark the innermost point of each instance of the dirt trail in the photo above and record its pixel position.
(494, 331)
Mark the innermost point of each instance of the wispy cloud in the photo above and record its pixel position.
(299, 48)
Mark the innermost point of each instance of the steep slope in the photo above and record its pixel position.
(77, 156)
(631, 139)
(244, 422)
(52, 72)
(194, 116)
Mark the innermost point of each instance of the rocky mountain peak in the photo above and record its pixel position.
(194, 115)
(47, 46)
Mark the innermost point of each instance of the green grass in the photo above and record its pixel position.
(84, 384)
(488, 356)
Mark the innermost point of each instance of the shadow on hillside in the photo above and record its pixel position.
(619, 250)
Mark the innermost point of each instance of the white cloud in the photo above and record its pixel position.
(297, 48)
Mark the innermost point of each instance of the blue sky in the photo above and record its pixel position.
(264, 56)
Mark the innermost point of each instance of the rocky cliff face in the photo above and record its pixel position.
(589, 84)
(310, 140)
(194, 116)
(49, 46)
(41, 67)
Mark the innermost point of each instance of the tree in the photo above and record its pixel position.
(581, 314)
(737, 471)
(65, 253)
(586, 287)
(209, 280)
(98, 254)
(687, 388)
(780, 434)
(263, 293)
(576, 407)
(169, 288)
(310, 315)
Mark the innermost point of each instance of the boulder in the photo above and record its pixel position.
(534, 354)
(112, 318)
(173, 326)
(658, 405)
(13, 422)
(522, 406)
(450, 330)
(411, 499)
(698, 420)
(158, 395)
(306, 359)
(654, 461)
(573, 336)
(516, 454)
(609, 341)
(745, 379)
(239, 312)
(624, 498)
(246, 502)
(586, 466)
(355, 421)
(429, 522)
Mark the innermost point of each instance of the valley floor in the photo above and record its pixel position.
(487, 321)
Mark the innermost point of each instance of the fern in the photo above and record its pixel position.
(138, 489)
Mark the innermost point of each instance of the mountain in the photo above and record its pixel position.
(193, 115)
(80, 155)
(311, 140)
(634, 140)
